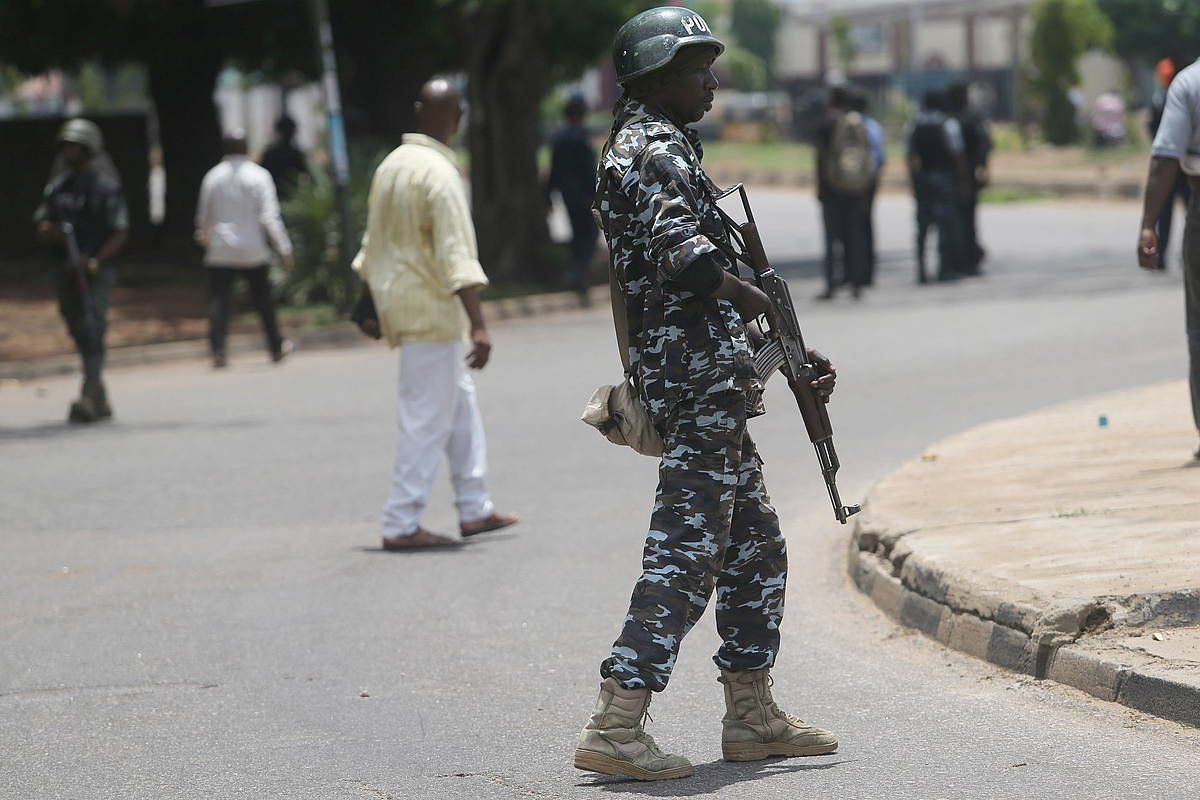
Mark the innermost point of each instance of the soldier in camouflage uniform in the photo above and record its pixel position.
(690, 357)
(86, 194)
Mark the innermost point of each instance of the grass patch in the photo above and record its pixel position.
(1000, 195)
(789, 158)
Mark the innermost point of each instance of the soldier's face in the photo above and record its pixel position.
(689, 94)
(73, 153)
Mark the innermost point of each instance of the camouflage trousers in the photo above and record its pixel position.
(712, 526)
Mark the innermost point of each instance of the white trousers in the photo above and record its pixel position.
(437, 415)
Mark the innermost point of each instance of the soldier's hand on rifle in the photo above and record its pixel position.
(752, 303)
(825, 384)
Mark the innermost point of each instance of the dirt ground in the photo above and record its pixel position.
(30, 325)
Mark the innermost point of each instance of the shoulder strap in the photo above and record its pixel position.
(620, 318)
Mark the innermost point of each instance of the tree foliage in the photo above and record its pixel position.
(512, 51)
(1063, 30)
(844, 48)
(754, 24)
(1154, 30)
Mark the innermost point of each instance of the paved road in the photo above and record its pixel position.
(192, 605)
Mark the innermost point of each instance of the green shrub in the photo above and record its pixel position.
(320, 276)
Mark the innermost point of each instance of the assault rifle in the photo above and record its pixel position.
(78, 265)
(784, 348)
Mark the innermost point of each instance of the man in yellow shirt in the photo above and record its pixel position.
(419, 259)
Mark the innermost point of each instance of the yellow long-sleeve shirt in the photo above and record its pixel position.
(419, 248)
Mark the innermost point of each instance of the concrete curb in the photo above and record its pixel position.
(335, 336)
(1018, 637)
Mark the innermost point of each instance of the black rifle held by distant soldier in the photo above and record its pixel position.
(78, 265)
(785, 350)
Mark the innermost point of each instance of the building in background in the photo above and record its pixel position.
(915, 45)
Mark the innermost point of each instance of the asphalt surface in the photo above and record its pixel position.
(193, 605)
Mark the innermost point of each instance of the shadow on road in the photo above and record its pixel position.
(51, 430)
(711, 777)
(462, 544)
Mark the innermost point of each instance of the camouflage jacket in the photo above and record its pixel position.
(657, 210)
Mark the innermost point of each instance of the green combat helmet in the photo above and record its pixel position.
(83, 132)
(650, 40)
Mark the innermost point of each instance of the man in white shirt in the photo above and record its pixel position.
(238, 222)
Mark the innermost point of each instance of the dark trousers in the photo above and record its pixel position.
(712, 527)
(845, 226)
(869, 233)
(1167, 215)
(220, 293)
(583, 244)
(939, 206)
(973, 252)
(86, 314)
(1191, 285)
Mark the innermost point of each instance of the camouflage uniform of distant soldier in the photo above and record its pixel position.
(712, 524)
(86, 196)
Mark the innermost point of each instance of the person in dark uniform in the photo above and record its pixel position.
(977, 146)
(284, 160)
(83, 210)
(712, 525)
(937, 167)
(573, 176)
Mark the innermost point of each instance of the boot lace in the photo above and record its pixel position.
(646, 738)
(779, 712)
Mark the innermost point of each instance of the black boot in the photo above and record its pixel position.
(95, 390)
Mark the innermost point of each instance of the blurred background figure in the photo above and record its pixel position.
(1108, 119)
(977, 146)
(573, 176)
(284, 160)
(83, 217)
(844, 179)
(426, 295)
(876, 140)
(1164, 75)
(237, 222)
(937, 167)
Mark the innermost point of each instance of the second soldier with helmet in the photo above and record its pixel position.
(712, 526)
(84, 219)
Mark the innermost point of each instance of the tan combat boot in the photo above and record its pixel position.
(615, 743)
(754, 728)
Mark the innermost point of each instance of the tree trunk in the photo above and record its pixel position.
(181, 85)
(506, 73)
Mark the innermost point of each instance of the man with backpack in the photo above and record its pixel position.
(845, 174)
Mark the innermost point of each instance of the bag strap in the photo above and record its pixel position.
(620, 318)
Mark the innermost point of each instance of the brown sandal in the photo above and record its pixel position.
(493, 523)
